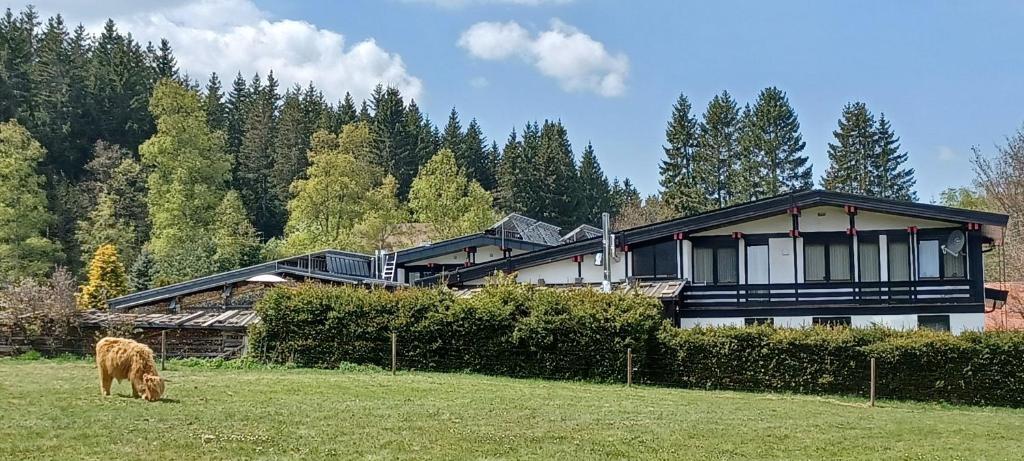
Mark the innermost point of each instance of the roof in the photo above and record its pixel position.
(659, 290)
(215, 320)
(337, 266)
(585, 231)
(521, 227)
(749, 211)
(444, 247)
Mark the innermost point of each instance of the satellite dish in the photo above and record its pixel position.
(955, 243)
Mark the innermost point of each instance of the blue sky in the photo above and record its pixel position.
(948, 75)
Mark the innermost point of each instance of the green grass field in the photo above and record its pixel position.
(53, 410)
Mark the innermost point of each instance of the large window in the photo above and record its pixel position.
(933, 262)
(827, 260)
(716, 264)
(655, 260)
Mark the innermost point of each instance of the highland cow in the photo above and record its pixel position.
(119, 358)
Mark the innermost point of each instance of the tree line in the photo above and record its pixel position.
(108, 143)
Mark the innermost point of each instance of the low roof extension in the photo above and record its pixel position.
(749, 211)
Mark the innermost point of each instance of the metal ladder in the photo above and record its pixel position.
(388, 268)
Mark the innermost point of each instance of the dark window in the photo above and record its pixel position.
(933, 322)
(827, 260)
(831, 321)
(758, 321)
(869, 261)
(656, 260)
(899, 259)
(716, 263)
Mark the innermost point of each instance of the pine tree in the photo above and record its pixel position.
(422, 142)
(17, 55)
(715, 161)
(364, 113)
(236, 105)
(556, 181)
(472, 156)
(680, 189)
(107, 280)
(771, 147)
(164, 64)
(891, 179)
(142, 272)
(188, 179)
(454, 205)
(254, 165)
(236, 242)
(56, 117)
(492, 161)
(346, 112)
(329, 201)
(390, 151)
(213, 104)
(24, 249)
(510, 194)
(850, 157)
(291, 145)
(623, 195)
(595, 194)
(451, 136)
(120, 83)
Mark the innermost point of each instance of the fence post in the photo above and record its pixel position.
(163, 349)
(629, 366)
(394, 352)
(873, 380)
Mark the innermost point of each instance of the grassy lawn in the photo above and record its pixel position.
(53, 410)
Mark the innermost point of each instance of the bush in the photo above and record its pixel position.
(506, 329)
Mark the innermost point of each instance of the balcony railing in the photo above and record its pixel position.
(828, 294)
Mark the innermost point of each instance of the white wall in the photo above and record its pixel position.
(780, 260)
(825, 219)
(712, 322)
(959, 323)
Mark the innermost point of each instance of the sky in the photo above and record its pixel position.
(948, 75)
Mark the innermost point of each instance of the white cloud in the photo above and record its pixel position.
(947, 153)
(563, 52)
(465, 3)
(227, 36)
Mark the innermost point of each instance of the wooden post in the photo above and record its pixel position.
(629, 366)
(394, 352)
(874, 378)
(163, 349)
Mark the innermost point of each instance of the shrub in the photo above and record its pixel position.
(506, 329)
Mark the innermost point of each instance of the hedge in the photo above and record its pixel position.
(506, 329)
(518, 330)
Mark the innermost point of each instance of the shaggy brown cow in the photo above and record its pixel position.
(119, 358)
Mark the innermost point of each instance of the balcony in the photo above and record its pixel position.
(830, 294)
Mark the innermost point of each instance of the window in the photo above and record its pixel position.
(757, 264)
(655, 260)
(899, 261)
(831, 321)
(933, 262)
(868, 261)
(933, 322)
(750, 321)
(928, 259)
(716, 263)
(827, 261)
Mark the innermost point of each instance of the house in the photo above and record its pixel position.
(239, 289)
(806, 258)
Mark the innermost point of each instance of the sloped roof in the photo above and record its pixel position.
(215, 319)
(582, 232)
(668, 289)
(749, 211)
(528, 229)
